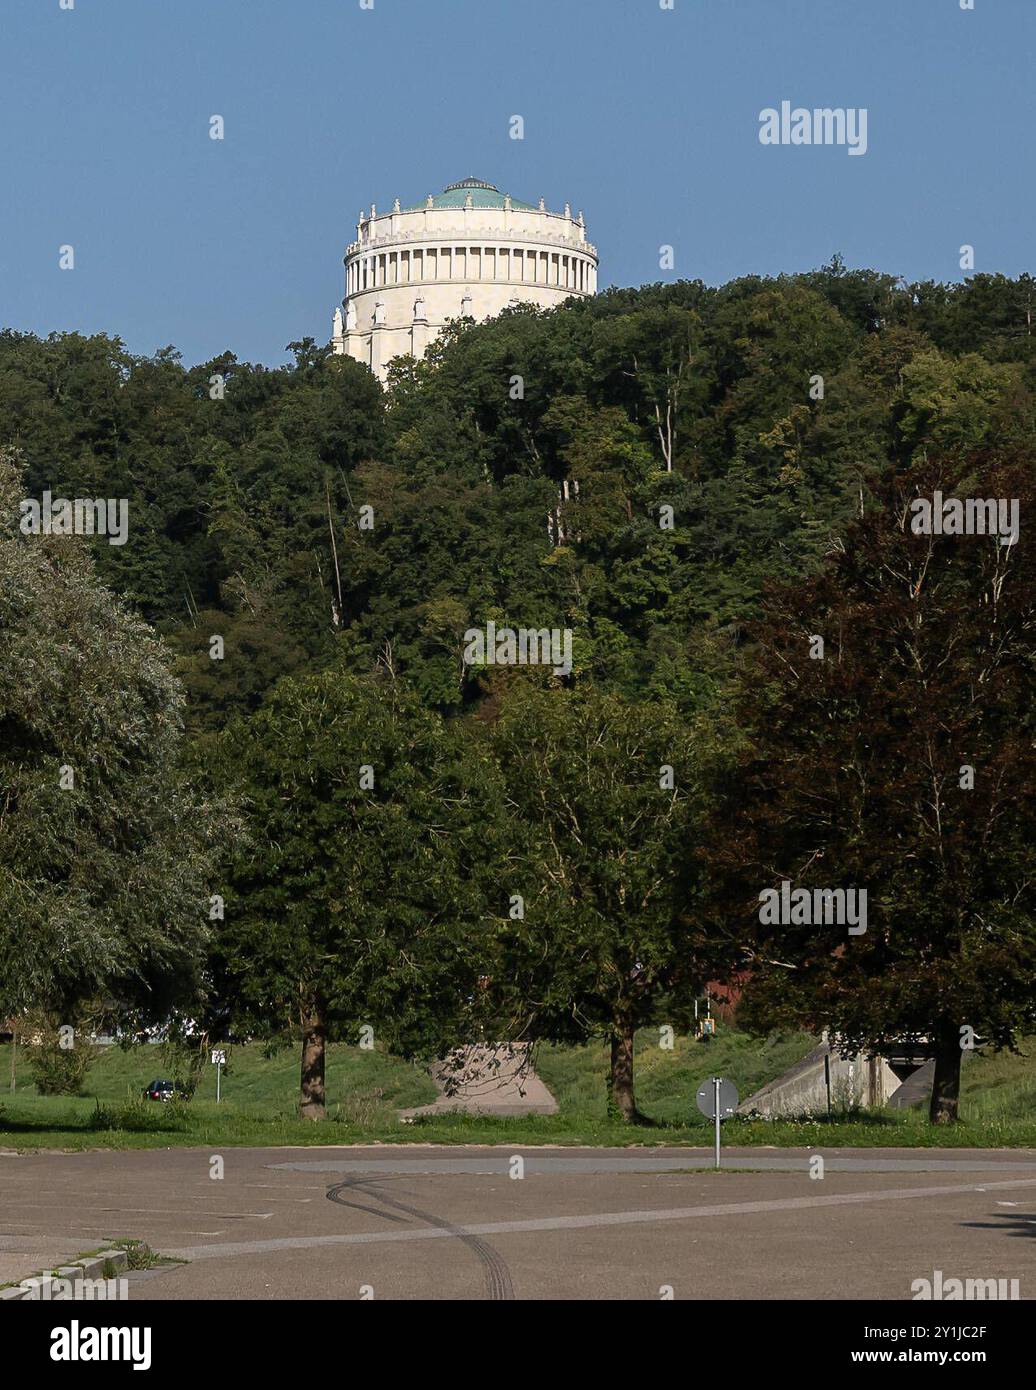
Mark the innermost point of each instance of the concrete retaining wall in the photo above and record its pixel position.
(856, 1082)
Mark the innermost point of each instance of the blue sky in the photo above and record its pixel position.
(647, 119)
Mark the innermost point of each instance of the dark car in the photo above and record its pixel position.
(160, 1090)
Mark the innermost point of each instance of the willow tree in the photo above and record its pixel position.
(105, 848)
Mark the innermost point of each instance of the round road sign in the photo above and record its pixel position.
(706, 1098)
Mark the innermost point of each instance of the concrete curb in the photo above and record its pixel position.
(90, 1268)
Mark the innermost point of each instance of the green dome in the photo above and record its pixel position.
(482, 195)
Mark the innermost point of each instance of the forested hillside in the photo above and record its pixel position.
(681, 395)
(656, 470)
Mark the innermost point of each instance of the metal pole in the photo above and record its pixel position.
(827, 1081)
(715, 1082)
(219, 1068)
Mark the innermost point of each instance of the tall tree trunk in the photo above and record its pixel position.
(620, 1078)
(314, 1042)
(946, 1086)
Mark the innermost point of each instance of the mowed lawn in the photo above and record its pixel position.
(367, 1089)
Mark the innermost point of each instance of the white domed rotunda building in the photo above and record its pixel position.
(469, 251)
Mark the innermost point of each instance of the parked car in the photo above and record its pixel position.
(160, 1090)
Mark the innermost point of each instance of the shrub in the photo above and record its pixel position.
(141, 1117)
(59, 1071)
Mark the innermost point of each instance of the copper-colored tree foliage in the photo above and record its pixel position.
(858, 777)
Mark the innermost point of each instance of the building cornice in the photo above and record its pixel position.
(476, 235)
(412, 285)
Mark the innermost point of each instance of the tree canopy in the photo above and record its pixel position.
(685, 478)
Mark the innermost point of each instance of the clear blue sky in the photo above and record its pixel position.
(646, 119)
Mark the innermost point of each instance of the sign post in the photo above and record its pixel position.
(717, 1100)
(219, 1061)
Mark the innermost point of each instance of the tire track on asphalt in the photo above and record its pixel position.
(496, 1275)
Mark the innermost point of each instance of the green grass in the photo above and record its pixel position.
(250, 1078)
(365, 1090)
(667, 1081)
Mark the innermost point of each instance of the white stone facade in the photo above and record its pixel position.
(468, 252)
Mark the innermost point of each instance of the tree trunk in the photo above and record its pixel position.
(314, 1040)
(946, 1086)
(621, 1099)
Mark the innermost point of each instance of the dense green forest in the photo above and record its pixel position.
(692, 480)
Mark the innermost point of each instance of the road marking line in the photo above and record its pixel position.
(574, 1223)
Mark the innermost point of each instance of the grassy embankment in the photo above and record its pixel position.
(366, 1089)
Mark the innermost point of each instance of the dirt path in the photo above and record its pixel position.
(488, 1081)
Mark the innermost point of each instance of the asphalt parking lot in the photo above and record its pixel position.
(472, 1223)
